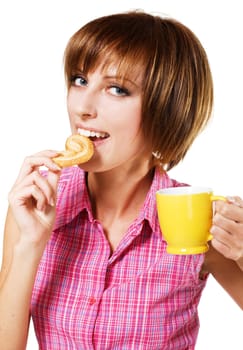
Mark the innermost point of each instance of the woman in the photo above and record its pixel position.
(83, 246)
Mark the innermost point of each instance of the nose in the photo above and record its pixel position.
(87, 105)
(87, 114)
(83, 103)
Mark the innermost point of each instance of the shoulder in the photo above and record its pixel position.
(163, 180)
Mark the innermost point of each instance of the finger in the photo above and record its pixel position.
(222, 248)
(33, 162)
(228, 243)
(48, 185)
(29, 197)
(36, 181)
(35, 178)
(221, 241)
(226, 224)
(229, 210)
(235, 200)
(221, 234)
(39, 197)
(228, 250)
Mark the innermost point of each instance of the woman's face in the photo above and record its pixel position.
(107, 109)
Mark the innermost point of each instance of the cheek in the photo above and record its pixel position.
(129, 136)
(70, 102)
(134, 124)
(128, 117)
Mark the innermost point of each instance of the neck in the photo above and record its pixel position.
(116, 192)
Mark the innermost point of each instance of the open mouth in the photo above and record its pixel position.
(93, 135)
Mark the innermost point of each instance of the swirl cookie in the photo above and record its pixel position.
(78, 149)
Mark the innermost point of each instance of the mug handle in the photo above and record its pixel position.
(215, 198)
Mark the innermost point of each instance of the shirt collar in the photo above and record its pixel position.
(73, 197)
(149, 210)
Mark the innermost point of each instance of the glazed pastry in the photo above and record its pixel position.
(78, 149)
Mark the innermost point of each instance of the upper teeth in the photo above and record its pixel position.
(92, 133)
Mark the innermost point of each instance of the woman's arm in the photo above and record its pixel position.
(227, 273)
(19, 265)
(224, 259)
(27, 229)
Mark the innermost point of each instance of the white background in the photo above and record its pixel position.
(33, 35)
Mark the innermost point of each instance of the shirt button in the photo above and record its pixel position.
(92, 301)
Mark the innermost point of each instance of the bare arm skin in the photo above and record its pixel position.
(18, 272)
(27, 229)
(227, 273)
(224, 260)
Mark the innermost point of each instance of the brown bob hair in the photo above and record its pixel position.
(177, 91)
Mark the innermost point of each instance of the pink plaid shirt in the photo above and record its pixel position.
(139, 297)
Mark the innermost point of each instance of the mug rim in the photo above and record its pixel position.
(184, 190)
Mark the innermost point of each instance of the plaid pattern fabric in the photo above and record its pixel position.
(139, 297)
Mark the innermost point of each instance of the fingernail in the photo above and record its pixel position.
(230, 199)
(52, 202)
(233, 201)
(56, 167)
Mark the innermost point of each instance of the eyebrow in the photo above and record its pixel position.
(116, 77)
(122, 79)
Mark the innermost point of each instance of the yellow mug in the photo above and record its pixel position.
(185, 217)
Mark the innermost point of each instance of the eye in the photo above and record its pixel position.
(78, 80)
(118, 91)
